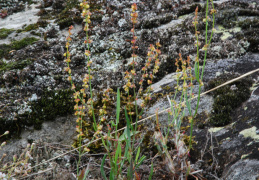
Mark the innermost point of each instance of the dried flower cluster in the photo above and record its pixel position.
(20, 165)
(148, 73)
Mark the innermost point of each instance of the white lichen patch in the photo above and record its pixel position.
(226, 32)
(250, 132)
(24, 108)
(225, 36)
(245, 156)
(216, 129)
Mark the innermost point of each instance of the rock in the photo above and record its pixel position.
(242, 169)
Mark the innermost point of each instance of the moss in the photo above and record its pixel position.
(186, 140)
(67, 17)
(23, 43)
(48, 107)
(227, 98)
(249, 23)
(31, 27)
(35, 33)
(42, 23)
(227, 18)
(4, 50)
(16, 45)
(68, 21)
(29, 1)
(5, 32)
(51, 105)
(14, 65)
(19, 30)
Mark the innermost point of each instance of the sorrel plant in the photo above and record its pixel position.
(122, 151)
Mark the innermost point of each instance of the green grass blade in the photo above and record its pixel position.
(137, 155)
(112, 174)
(128, 124)
(140, 161)
(102, 170)
(118, 107)
(151, 172)
(188, 103)
(128, 141)
(117, 154)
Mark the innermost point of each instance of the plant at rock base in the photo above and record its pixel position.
(177, 161)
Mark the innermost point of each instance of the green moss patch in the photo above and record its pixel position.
(5, 32)
(16, 45)
(50, 105)
(227, 98)
(31, 27)
(14, 65)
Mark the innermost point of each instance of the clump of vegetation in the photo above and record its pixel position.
(123, 150)
(5, 32)
(16, 45)
(227, 98)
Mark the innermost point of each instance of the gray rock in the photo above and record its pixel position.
(242, 169)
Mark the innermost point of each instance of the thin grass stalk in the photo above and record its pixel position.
(204, 61)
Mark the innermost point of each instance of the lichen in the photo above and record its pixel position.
(213, 130)
(250, 132)
(226, 33)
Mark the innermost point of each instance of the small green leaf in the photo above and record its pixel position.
(113, 124)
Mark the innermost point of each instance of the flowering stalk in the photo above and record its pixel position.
(152, 54)
(205, 48)
(79, 96)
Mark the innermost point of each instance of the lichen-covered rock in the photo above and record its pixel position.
(243, 169)
(37, 68)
